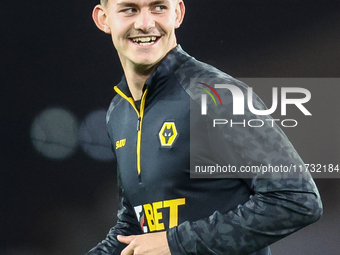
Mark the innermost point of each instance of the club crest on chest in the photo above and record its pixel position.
(168, 134)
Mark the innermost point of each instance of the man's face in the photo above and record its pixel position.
(143, 31)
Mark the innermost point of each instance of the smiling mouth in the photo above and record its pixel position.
(145, 41)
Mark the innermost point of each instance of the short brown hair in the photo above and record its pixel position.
(103, 2)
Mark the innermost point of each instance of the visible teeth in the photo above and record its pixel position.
(145, 40)
(146, 44)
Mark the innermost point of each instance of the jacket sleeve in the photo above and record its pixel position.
(127, 224)
(280, 204)
(277, 209)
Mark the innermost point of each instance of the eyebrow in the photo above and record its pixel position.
(160, 2)
(126, 4)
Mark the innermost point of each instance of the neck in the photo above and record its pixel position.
(136, 78)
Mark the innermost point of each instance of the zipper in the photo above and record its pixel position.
(140, 115)
(138, 123)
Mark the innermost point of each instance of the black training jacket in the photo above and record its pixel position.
(151, 141)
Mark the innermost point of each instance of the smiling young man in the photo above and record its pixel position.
(143, 33)
(163, 210)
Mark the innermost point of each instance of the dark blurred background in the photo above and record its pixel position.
(58, 192)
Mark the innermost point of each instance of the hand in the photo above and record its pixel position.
(147, 244)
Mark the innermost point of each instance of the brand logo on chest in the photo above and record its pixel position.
(120, 143)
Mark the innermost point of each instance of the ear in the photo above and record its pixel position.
(99, 17)
(180, 12)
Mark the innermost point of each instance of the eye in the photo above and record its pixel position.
(160, 8)
(128, 11)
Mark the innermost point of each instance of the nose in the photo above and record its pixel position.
(144, 21)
